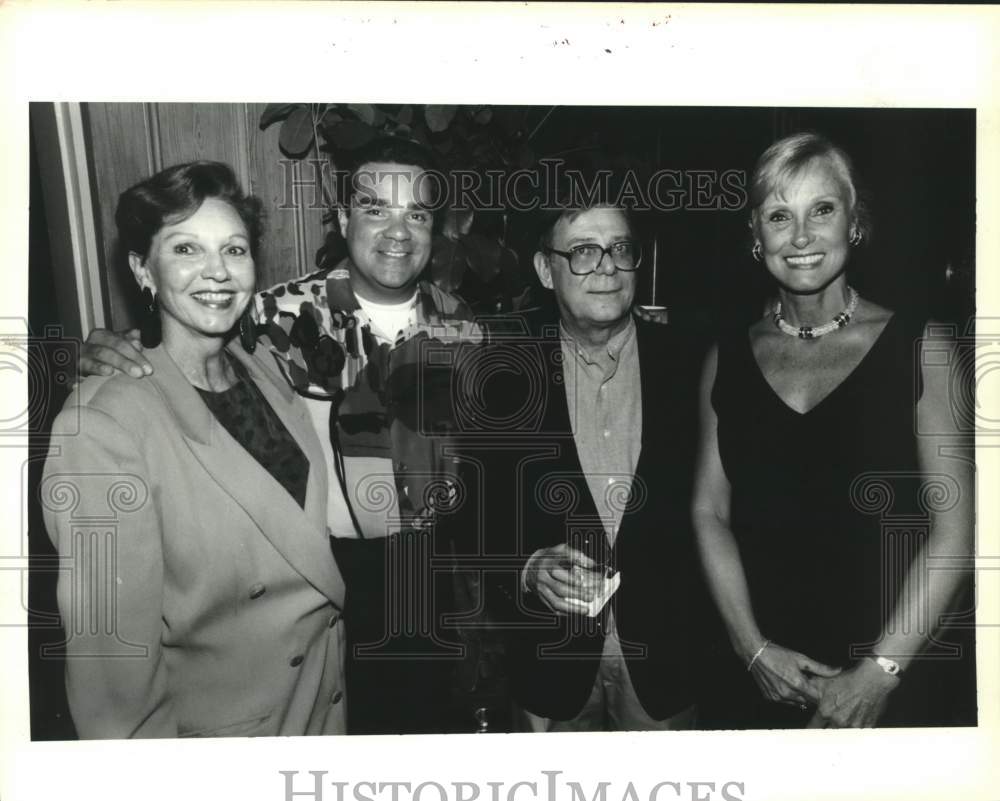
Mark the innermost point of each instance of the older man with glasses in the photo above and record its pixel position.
(592, 577)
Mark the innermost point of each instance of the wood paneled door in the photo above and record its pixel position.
(128, 142)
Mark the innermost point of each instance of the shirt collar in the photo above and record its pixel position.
(340, 294)
(612, 350)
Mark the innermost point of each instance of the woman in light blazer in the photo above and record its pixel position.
(199, 594)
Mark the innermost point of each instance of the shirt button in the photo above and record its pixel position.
(607, 433)
(297, 660)
(256, 591)
(337, 696)
(334, 620)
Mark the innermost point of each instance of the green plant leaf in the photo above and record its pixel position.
(419, 133)
(510, 267)
(483, 116)
(448, 264)
(524, 300)
(484, 256)
(351, 134)
(276, 111)
(364, 112)
(525, 156)
(297, 133)
(509, 119)
(439, 117)
(330, 117)
(456, 223)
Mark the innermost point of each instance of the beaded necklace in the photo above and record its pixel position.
(813, 332)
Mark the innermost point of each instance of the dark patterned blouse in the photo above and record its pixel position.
(245, 413)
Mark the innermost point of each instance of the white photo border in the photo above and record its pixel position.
(590, 54)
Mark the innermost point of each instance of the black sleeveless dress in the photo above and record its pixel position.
(828, 510)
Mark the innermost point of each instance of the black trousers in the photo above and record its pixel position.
(401, 657)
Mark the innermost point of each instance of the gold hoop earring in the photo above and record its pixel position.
(755, 251)
(856, 237)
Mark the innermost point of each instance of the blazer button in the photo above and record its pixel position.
(334, 620)
(256, 591)
(337, 696)
(297, 660)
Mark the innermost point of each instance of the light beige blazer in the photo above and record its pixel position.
(197, 596)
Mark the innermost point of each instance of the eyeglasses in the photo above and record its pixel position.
(585, 259)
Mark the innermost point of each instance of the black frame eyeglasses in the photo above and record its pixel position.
(585, 259)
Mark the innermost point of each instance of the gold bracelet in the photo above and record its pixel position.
(759, 652)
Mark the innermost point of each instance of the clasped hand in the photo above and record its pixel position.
(788, 677)
(853, 698)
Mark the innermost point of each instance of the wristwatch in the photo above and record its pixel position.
(888, 665)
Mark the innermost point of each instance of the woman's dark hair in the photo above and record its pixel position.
(174, 194)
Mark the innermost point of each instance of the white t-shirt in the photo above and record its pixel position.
(388, 319)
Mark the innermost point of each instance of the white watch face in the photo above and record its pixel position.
(890, 667)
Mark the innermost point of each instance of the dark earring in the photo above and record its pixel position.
(150, 332)
(248, 330)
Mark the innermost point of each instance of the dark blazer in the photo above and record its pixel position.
(200, 598)
(535, 496)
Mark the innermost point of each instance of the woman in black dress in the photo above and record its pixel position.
(808, 449)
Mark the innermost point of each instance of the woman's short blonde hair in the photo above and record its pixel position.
(788, 158)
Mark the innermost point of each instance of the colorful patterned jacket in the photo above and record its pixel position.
(390, 402)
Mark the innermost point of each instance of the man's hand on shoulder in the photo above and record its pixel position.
(106, 351)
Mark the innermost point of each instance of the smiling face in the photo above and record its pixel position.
(388, 231)
(201, 271)
(804, 228)
(597, 302)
